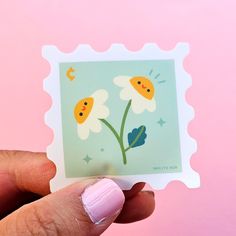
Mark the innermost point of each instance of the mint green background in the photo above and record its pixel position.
(160, 153)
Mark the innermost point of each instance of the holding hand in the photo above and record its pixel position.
(85, 208)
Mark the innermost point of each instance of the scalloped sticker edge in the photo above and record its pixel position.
(117, 52)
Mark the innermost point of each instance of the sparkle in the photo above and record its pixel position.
(87, 159)
(161, 122)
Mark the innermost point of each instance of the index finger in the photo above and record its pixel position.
(25, 172)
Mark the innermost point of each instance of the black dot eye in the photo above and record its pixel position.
(81, 113)
(148, 90)
(139, 82)
(85, 103)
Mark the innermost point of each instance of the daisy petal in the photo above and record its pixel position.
(100, 96)
(151, 105)
(137, 107)
(83, 131)
(100, 112)
(95, 125)
(126, 93)
(121, 81)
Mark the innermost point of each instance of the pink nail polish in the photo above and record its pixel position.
(102, 200)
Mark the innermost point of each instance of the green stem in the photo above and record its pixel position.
(135, 140)
(117, 137)
(111, 128)
(122, 127)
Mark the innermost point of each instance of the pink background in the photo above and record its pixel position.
(209, 27)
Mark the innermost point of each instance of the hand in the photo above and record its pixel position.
(85, 208)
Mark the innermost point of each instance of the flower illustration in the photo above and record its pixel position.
(139, 90)
(88, 112)
(91, 112)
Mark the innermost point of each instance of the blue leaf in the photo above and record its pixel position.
(137, 137)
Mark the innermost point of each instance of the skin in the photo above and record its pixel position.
(24, 178)
(83, 109)
(143, 86)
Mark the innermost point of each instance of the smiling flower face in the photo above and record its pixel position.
(143, 86)
(83, 109)
(140, 90)
(88, 111)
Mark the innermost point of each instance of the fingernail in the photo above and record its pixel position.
(102, 200)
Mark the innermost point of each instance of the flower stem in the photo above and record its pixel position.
(118, 139)
(122, 127)
(111, 128)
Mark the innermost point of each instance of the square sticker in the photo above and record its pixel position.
(120, 114)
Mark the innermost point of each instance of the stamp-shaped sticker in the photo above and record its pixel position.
(120, 114)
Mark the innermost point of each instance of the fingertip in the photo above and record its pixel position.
(134, 190)
(49, 169)
(137, 208)
(33, 172)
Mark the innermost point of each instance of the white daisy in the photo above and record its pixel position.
(140, 90)
(88, 111)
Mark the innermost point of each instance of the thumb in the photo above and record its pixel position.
(85, 208)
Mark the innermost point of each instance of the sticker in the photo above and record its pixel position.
(120, 114)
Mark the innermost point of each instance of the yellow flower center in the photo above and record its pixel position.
(143, 86)
(83, 109)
